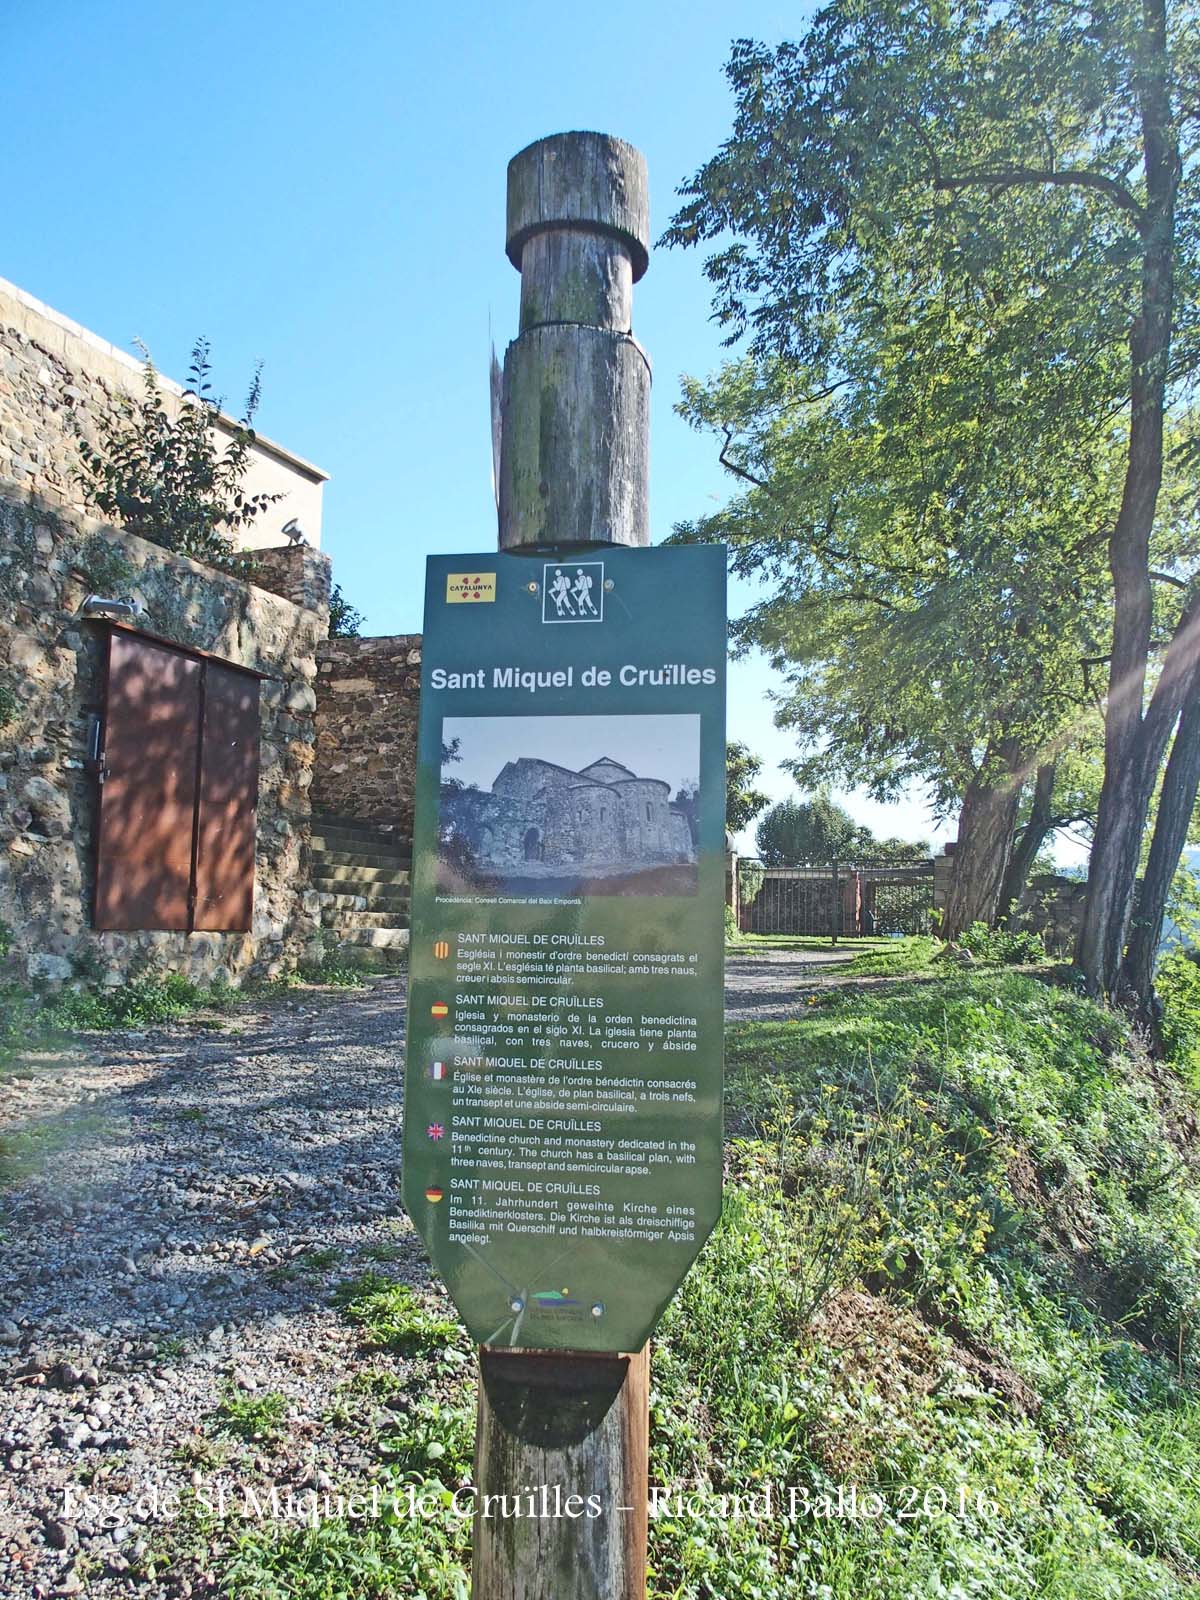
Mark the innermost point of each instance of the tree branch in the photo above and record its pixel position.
(1166, 577)
(1066, 178)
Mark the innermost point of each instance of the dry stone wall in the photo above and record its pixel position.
(50, 675)
(368, 693)
(53, 554)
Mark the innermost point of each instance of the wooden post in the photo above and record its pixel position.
(574, 472)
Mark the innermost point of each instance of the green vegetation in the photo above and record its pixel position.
(176, 480)
(957, 1267)
(1178, 985)
(896, 958)
(253, 1418)
(960, 243)
(142, 1001)
(391, 1315)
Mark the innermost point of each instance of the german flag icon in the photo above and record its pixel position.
(433, 1194)
(439, 1009)
(441, 949)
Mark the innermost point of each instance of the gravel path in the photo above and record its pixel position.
(763, 986)
(158, 1254)
(176, 1207)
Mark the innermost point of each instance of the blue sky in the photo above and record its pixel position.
(322, 188)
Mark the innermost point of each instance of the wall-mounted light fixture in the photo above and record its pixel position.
(97, 605)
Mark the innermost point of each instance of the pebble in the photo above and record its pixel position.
(141, 1278)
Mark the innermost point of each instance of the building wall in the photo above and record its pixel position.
(368, 694)
(50, 678)
(54, 372)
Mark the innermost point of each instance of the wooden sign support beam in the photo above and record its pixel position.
(574, 473)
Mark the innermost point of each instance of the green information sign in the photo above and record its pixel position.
(563, 1150)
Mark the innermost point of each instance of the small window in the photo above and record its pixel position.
(647, 811)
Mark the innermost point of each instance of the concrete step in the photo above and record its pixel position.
(360, 833)
(347, 921)
(376, 938)
(337, 867)
(353, 850)
(371, 899)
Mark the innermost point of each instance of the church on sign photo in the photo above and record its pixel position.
(540, 818)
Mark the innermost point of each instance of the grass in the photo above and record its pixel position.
(958, 1258)
(253, 1418)
(957, 1269)
(391, 1316)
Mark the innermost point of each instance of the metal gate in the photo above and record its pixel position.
(842, 899)
(178, 789)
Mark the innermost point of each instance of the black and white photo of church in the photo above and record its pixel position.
(603, 828)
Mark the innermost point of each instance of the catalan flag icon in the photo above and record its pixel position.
(441, 949)
(439, 1009)
(433, 1194)
(437, 1071)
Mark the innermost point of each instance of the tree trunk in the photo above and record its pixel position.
(1024, 851)
(1130, 757)
(986, 825)
(1175, 806)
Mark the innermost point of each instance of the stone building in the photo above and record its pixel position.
(155, 763)
(541, 819)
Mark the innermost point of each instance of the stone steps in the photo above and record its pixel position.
(362, 875)
(344, 921)
(361, 860)
(349, 871)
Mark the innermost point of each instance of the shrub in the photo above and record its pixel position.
(999, 948)
(175, 481)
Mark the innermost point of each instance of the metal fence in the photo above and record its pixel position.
(840, 899)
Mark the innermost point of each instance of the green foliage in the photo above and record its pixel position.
(345, 620)
(1005, 1407)
(732, 932)
(8, 703)
(743, 801)
(176, 480)
(997, 948)
(897, 958)
(796, 831)
(254, 1418)
(148, 999)
(1177, 984)
(391, 1315)
(750, 875)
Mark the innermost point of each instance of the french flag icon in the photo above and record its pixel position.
(437, 1070)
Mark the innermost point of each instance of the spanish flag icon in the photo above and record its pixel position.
(439, 1009)
(433, 1194)
(441, 949)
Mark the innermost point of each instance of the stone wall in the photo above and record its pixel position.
(368, 693)
(55, 380)
(50, 686)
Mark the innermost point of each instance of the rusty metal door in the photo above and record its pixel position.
(178, 791)
(226, 806)
(148, 786)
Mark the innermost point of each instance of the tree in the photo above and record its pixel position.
(345, 620)
(943, 135)
(798, 831)
(175, 480)
(742, 801)
(895, 527)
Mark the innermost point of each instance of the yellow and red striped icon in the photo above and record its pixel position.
(441, 949)
(433, 1194)
(439, 1008)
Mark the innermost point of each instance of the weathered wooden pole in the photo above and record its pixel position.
(574, 472)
